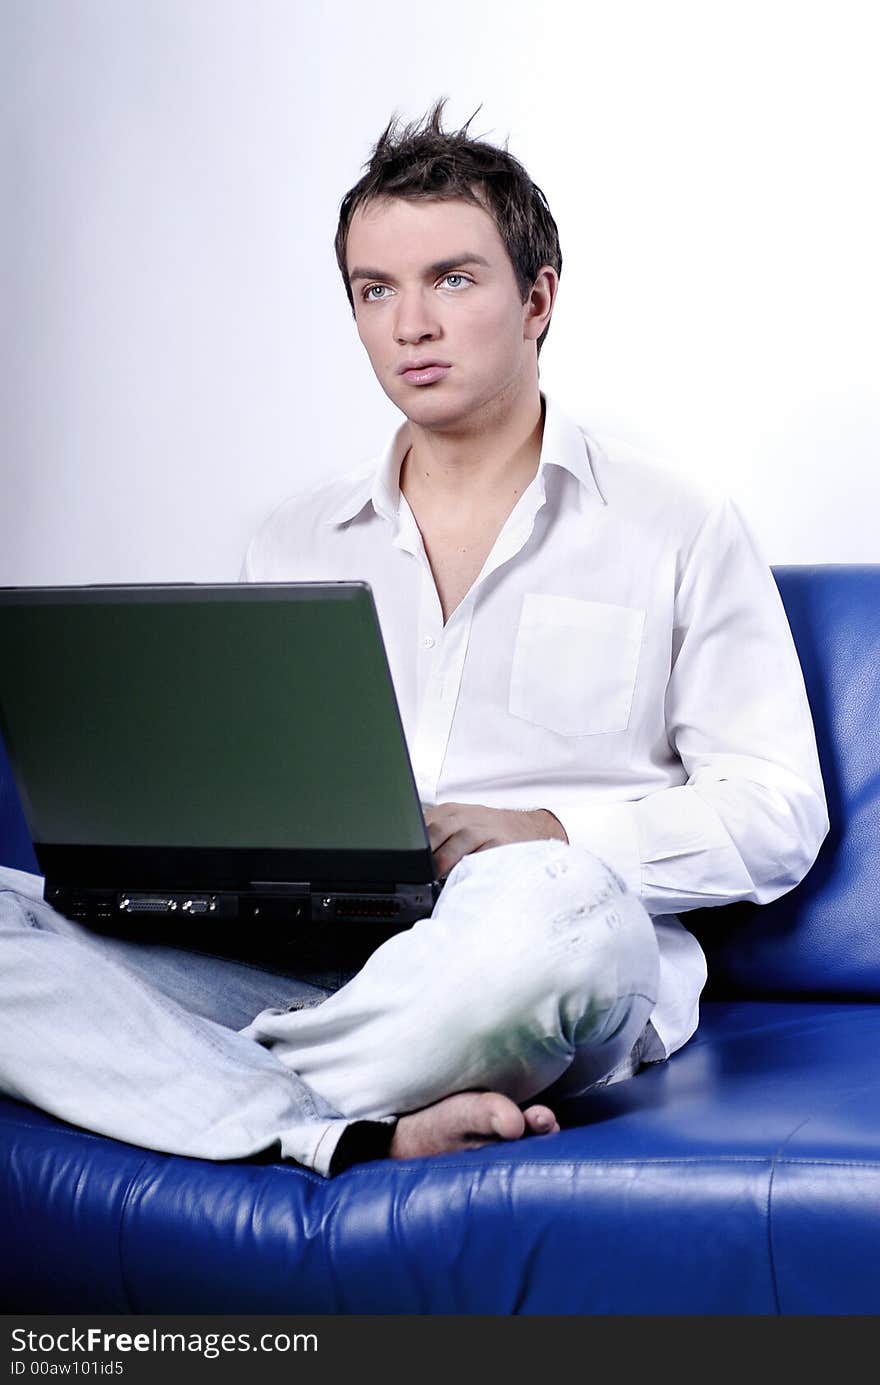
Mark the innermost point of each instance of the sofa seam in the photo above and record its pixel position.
(364, 1170)
(123, 1212)
(771, 1251)
(781, 1159)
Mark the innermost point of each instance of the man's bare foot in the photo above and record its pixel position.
(467, 1120)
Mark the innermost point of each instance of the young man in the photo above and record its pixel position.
(604, 709)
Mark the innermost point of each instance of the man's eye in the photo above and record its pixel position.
(377, 293)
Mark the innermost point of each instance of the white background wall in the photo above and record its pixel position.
(177, 350)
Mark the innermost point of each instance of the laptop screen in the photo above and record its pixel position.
(242, 716)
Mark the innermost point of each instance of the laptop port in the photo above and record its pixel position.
(165, 904)
(341, 906)
(147, 904)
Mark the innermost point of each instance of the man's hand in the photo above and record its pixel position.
(457, 829)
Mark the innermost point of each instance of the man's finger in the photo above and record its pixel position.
(437, 833)
(457, 845)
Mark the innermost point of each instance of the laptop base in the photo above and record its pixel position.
(279, 904)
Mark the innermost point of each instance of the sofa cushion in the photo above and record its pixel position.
(742, 1176)
(820, 939)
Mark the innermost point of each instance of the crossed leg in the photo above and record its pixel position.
(535, 965)
(534, 955)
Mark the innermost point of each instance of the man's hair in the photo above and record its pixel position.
(425, 162)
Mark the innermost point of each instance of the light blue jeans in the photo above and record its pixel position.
(535, 975)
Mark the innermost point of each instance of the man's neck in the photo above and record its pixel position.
(473, 472)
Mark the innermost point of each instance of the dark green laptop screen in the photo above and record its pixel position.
(216, 717)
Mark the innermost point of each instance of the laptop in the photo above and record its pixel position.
(215, 764)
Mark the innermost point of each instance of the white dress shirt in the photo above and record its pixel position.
(623, 659)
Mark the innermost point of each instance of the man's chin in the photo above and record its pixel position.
(431, 405)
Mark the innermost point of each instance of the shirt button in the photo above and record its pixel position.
(429, 641)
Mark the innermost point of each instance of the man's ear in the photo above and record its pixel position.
(539, 304)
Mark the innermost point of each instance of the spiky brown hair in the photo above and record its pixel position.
(424, 161)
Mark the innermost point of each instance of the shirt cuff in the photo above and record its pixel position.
(609, 831)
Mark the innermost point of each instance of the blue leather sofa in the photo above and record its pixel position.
(741, 1177)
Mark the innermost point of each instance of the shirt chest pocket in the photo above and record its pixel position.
(574, 664)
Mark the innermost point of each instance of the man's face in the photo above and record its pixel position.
(432, 281)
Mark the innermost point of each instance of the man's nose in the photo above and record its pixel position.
(415, 317)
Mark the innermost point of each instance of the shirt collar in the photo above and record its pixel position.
(564, 444)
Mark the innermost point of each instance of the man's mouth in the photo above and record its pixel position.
(425, 373)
